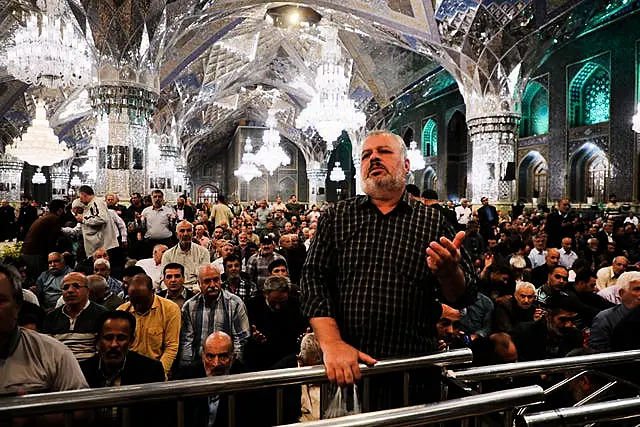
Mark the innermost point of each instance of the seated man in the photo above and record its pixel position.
(276, 324)
(476, 318)
(608, 276)
(225, 249)
(236, 281)
(552, 336)
(102, 267)
(449, 331)
(174, 282)
(557, 280)
(213, 309)
(510, 311)
(157, 321)
(539, 274)
(48, 286)
(30, 361)
(100, 293)
(153, 266)
(74, 323)
(213, 411)
(606, 321)
(583, 289)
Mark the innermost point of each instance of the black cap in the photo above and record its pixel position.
(266, 240)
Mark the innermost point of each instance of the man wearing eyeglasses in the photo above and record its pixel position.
(73, 324)
(48, 287)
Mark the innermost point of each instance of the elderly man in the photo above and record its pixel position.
(48, 287)
(539, 274)
(608, 276)
(100, 293)
(30, 361)
(567, 255)
(225, 249)
(213, 309)
(98, 229)
(153, 266)
(157, 320)
(102, 267)
(606, 321)
(158, 221)
(381, 259)
(188, 254)
(74, 323)
(510, 311)
(463, 214)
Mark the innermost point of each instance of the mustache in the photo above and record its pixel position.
(376, 164)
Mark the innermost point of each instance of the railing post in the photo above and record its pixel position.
(279, 405)
(68, 419)
(231, 407)
(366, 394)
(405, 388)
(180, 410)
(126, 416)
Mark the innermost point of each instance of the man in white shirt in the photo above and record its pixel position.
(538, 254)
(463, 213)
(158, 220)
(567, 256)
(153, 266)
(188, 254)
(631, 219)
(608, 276)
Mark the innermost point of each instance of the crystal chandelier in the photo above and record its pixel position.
(415, 157)
(39, 146)
(271, 155)
(48, 51)
(75, 181)
(331, 111)
(38, 177)
(248, 169)
(337, 174)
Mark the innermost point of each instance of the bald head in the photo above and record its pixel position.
(217, 354)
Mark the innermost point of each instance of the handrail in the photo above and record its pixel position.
(63, 401)
(534, 367)
(591, 413)
(436, 412)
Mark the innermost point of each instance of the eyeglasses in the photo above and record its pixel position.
(76, 286)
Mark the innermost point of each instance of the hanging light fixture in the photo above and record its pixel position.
(39, 146)
(75, 181)
(416, 160)
(49, 51)
(248, 169)
(337, 174)
(331, 110)
(38, 177)
(271, 155)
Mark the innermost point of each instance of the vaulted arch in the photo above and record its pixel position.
(430, 139)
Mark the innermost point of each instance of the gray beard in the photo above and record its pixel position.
(381, 188)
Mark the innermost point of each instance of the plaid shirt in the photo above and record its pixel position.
(245, 289)
(258, 267)
(199, 320)
(368, 271)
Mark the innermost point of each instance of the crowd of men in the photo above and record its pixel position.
(108, 295)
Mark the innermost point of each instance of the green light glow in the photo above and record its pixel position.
(596, 98)
(430, 139)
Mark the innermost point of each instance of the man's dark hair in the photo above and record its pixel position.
(221, 198)
(580, 264)
(133, 271)
(561, 302)
(558, 267)
(173, 266)
(231, 258)
(115, 314)
(413, 190)
(56, 205)
(430, 194)
(86, 190)
(218, 226)
(584, 276)
(277, 263)
(15, 281)
(146, 279)
(27, 196)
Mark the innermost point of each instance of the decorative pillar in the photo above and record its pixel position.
(162, 164)
(493, 142)
(317, 175)
(10, 177)
(60, 175)
(124, 108)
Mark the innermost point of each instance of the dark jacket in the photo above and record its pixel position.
(558, 227)
(507, 314)
(533, 342)
(540, 275)
(42, 237)
(138, 369)
(486, 226)
(189, 212)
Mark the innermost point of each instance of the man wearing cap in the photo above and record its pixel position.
(258, 264)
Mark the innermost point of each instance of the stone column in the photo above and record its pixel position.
(317, 176)
(10, 177)
(493, 142)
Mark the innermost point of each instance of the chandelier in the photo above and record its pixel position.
(337, 174)
(39, 146)
(38, 177)
(416, 160)
(76, 181)
(48, 51)
(271, 155)
(331, 111)
(248, 169)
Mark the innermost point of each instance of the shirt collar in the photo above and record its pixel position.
(83, 309)
(405, 201)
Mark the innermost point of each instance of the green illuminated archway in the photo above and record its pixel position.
(430, 139)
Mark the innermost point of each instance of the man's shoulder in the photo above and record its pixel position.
(49, 346)
(168, 305)
(94, 309)
(230, 296)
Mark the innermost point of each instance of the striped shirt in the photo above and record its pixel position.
(369, 272)
(78, 334)
(199, 320)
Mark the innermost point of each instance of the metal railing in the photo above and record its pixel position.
(437, 412)
(591, 413)
(546, 366)
(176, 391)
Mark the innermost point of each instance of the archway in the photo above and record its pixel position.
(430, 139)
(589, 173)
(209, 193)
(533, 177)
(589, 95)
(457, 156)
(535, 110)
(430, 180)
